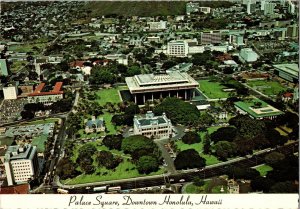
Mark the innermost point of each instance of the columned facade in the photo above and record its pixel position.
(148, 87)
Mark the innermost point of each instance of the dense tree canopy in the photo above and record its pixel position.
(66, 168)
(242, 173)
(191, 138)
(284, 187)
(225, 149)
(273, 158)
(224, 134)
(107, 159)
(102, 75)
(188, 159)
(147, 164)
(262, 184)
(113, 141)
(178, 111)
(139, 146)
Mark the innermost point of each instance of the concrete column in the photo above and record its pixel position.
(135, 99)
(160, 95)
(185, 95)
(194, 93)
(169, 94)
(152, 97)
(177, 94)
(144, 98)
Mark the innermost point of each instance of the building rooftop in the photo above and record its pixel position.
(154, 81)
(257, 111)
(292, 69)
(17, 189)
(39, 90)
(20, 152)
(96, 122)
(150, 119)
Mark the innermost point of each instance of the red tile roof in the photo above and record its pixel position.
(39, 88)
(18, 189)
(287, 94)
(77, 63)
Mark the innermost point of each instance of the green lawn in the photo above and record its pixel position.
(263, 169)
(193, 189)
(6, 141)
(49, 120)
(212, 89)
(17, 65)
(267, 87)
(124, 170)
(109, 95)
(28, 47)
(39, 142)
(210, 159)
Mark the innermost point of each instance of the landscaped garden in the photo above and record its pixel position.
(106, 160)
(269, 88)
(212, 89)
(200, 186)
(39, 142)
(263, 169)
(210, 159)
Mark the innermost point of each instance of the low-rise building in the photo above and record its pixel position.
(3, 67)
(152, 126)
(154, 26)
(46, 97)
(94, 125)
(21, 164)
(289, 72)
(248, 55)
(257, 109)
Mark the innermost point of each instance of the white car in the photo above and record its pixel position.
(182, 180)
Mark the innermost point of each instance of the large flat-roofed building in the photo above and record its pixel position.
(152, 126)
(46, 97)
(161, 85)
(211, 37)
(257, 109)
(21, 164)
(248, 55)
(289, 72)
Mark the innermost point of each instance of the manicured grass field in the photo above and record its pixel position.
(268, 88)
(39, 142)
(17, 65)
(124, 170)
(213, 90)
(49, 120)
(210, 159)
(263, 169)
(6, 141)
(109, 95)
(28, 47)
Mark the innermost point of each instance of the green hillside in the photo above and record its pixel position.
(136, 8)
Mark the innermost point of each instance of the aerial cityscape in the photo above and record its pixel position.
(153, 97)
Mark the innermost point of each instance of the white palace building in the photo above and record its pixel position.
(159, 127)
(161, 85)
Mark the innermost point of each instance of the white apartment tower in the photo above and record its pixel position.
(21, 164)
(178, 48)
(10, 92)
(269, 8)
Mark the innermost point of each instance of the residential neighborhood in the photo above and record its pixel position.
(155, 97)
